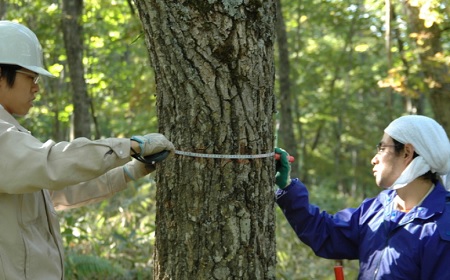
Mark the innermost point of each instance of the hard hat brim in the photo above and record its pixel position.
(39, 70)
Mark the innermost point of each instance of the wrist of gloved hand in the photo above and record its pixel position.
(136, 169)
(153, 143)
(283, 168)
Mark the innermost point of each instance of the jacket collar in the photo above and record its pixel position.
(435, 201)
(433, 204)
(7, 117)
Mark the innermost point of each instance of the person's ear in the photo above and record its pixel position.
(409, 152)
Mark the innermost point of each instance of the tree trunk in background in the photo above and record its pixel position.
(286, 137)
(2, 9)
(213, 63)
(435, 70)
(73, 41)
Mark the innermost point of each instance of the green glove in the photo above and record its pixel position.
(283, 168)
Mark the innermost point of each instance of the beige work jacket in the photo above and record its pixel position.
(37, 178)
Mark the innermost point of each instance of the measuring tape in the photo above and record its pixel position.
(190, 154)
(152, 159)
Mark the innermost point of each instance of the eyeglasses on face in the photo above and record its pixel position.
(381, 147)
(35, 77)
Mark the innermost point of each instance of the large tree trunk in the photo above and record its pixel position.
(213, 63)
(435, 70)
(73, 42)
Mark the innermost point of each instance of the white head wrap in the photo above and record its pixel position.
(430, 142)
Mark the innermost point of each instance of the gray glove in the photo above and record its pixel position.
(153, 143)
(136, 169)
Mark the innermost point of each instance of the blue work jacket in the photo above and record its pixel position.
(388, 243)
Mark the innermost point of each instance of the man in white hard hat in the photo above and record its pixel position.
(37, 178)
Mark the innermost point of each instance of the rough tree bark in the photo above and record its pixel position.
(73, 42)
(213, 62)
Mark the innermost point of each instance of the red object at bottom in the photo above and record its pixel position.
(339, 272)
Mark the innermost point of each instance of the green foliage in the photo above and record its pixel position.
(91, 267)
(118, 72)
(115, 235)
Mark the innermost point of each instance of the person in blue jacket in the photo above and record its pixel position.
(404, 232)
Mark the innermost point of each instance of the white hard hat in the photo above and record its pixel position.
(20, 46)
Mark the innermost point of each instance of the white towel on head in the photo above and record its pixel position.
(430, 142)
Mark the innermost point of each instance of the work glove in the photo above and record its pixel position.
(153, 143)
(283, 168)
(136, 169)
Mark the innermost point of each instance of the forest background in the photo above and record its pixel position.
(345, 69)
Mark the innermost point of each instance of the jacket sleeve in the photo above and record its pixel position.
(29, 165)
(329, 236)
(91, 191)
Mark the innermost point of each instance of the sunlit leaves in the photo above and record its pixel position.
(362, 47)
(429, 11)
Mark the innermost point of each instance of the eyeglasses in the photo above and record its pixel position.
(35, 77)
(380, 147)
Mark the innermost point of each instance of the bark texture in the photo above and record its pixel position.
(213, 63)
